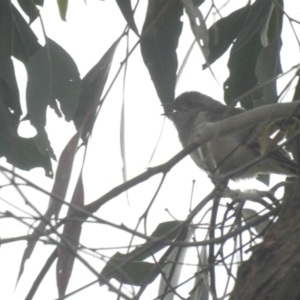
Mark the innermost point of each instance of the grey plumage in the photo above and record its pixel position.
(231, 151)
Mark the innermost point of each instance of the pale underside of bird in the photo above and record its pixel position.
(229, 152)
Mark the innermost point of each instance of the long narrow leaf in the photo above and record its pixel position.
(52, 75)
(111, 269)
(223, 32)
(63, 174)
(160, 35)
(173, 269)
(93, 85)
(257, 16)
(126, 9)
(59, 189)
(63, 6)
(71, 235)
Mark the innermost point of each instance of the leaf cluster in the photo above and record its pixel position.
(252, 35)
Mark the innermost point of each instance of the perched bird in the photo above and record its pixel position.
(231, 151)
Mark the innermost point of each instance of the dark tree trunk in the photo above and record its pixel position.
(273, 271)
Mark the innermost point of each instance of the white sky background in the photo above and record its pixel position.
(88, 33)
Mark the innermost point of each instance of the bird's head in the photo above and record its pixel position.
(187, 106)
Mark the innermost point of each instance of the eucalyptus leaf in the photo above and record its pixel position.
(242, 77)
(92, 88)
(28, 6)
(8, 82)
(25, 42)
(244, 56)
(297, 90)
(21, 152)
(173, 268)
(126, 9)
(62, 6)
(200, 290)
(250, 214)
(258, 15)
(133, 273)
(111, 270)
(264, 178)
(268, 66)
(161, 32)
(6, 40)
(71, 234)
(223, 32)
(161, 230)
(52, 75)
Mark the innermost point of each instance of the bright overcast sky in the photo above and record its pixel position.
(89, 31)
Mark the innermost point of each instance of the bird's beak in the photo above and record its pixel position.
(168, 108)
(171, 109)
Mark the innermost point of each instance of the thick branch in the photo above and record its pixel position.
(273, 271)
(206, 133)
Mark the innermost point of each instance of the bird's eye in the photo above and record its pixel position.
(189, 102)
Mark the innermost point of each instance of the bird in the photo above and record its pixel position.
(231, 151)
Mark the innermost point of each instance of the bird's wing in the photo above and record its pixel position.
(281, 156)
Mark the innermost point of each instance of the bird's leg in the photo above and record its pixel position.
(210, 166)
(207, 159)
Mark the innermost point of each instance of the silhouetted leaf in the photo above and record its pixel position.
(161, 230)
(164, 227)
(244, 55)
(71, 235)
(200, 290)
(126, 9)
(198, 2)
(63, 174)
(257, 17)
(250, 64)
(160, 36)
(24, 154)
(250, 214)
(112, 268)
(242, 77)
(6, 33)
(198, 26)
(20, 152)
(273, 26)
(25, 42)
(92, 87)
(267, 67)
(294, 145)
(268, 64)
(223, 32)
(59, 190)
(52, 74)
(63, 6)
(29, 8)
(10, 96)
(172, 270)
(297, 90)
(264, 178)
(136, 272)
(7, 72)
(133, 273)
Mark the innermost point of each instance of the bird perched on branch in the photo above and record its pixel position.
(224, 154)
